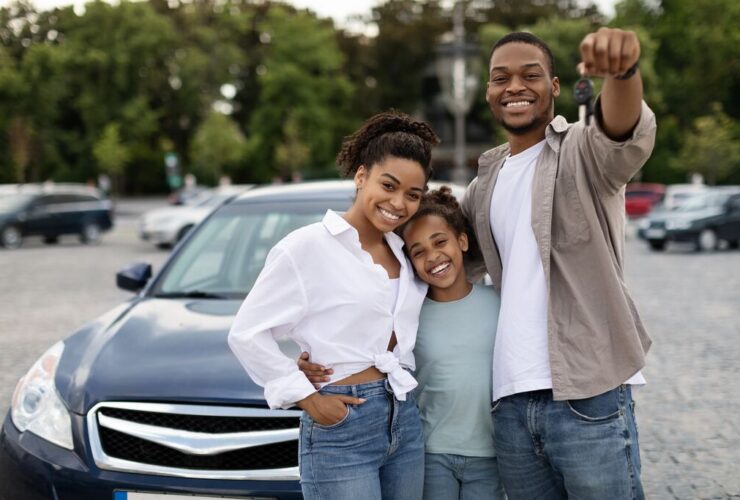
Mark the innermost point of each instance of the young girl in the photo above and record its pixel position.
(344, 291)
(454, 352)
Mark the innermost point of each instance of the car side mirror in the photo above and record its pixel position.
(134, 277)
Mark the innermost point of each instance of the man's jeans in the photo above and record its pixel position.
(376, 452)
(577, 449)
(455, 477)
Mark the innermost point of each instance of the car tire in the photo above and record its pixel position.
(11, 237)
(657, 245)
(707, 241)
(182, 233)
(90, 233)
(51, 240)
(734, 245)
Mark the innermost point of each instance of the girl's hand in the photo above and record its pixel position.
(328, 409)
(315, 374)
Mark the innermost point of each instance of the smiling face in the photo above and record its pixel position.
(389, 193)
(436, 252)
(520, 89)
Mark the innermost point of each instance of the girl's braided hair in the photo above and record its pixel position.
(390, 133)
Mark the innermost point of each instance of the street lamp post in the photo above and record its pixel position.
(457, 65)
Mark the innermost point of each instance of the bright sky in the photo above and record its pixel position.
(340, 10)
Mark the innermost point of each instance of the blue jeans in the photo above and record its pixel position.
(577, 449)
(456, 477)
(376, 452)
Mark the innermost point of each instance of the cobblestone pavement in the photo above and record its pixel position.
(687, 414)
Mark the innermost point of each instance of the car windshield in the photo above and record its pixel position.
(13, 202)
(700, 202)
(226, 254)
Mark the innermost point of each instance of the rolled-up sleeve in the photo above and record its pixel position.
(276, 303)
(613, 162)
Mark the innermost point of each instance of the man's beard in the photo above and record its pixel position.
(536, 122)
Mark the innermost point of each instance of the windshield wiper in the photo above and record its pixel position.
(190, 294)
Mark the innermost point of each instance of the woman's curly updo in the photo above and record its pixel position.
(387, 134)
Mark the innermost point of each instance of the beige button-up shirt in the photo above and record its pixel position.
(596, 339)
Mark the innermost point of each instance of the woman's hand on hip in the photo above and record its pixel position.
(316, 374)
(328, 409)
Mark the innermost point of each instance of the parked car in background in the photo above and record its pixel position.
(677, 194)
(149, 399)
(640, 197)
(184, 195)
(51, 211)
(704, 220)
(166, 226)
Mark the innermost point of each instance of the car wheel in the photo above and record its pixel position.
(707, 241)
(182, 233)
(734, 244)
(11, 237)
(658, 245)
(90, 233)
(51, 240)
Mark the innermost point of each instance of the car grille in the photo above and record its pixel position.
(657, 224)
(195, 441)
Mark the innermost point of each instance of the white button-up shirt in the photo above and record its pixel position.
(320, 289)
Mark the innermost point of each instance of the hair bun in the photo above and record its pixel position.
(442, 196)
(354, 151)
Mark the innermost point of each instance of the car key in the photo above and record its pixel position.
(583, 93)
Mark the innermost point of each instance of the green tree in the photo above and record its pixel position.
(711, 147)
(300, 77)
(218, 144)
(111, 154)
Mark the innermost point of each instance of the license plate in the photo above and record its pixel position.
(655, 234)
(137, 495)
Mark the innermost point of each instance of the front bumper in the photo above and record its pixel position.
(158, 236)
(34, 469)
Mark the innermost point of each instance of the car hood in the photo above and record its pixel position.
(681, 215)
(184, 213)
(166, 350)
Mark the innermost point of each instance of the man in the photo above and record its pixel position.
(548, 211)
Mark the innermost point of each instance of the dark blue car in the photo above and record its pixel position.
(51, 212)
(148, 398)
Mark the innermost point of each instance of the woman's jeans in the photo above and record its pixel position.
(578, 449)
(376, 452)
(456, 477)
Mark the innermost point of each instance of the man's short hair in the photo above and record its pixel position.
(524, 37)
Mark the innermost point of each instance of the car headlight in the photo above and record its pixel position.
(36, 405)
(644, 223)
(678, 224)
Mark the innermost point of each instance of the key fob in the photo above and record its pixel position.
(583, 91)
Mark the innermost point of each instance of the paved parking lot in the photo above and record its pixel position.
(688, 412)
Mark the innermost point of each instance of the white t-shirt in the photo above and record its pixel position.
(520, 358)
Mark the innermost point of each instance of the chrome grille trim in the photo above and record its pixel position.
(192, 441)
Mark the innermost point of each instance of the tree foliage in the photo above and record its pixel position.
(143, 78)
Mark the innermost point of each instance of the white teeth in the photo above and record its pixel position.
(389, 215)
(517, 104)
(438, 269)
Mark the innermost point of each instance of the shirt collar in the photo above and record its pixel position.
(336, 224)
(554, 130)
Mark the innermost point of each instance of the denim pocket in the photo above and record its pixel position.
(601, 408)
(496, 405)
(337, 424)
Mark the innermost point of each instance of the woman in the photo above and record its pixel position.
(344, 291)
